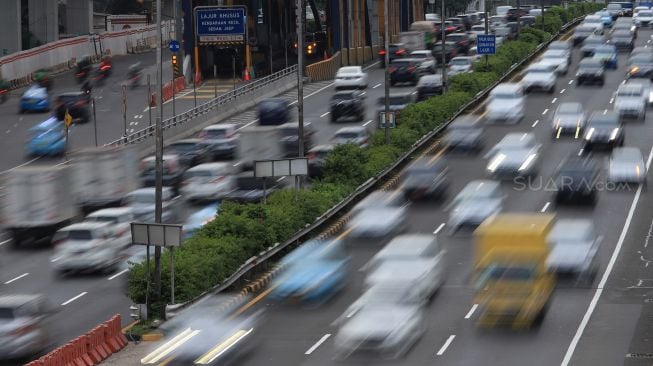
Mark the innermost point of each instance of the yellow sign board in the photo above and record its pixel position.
(68, 119)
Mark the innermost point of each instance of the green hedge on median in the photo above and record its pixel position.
(242, 231)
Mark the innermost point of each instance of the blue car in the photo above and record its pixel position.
(199, 219)
(312, 273)
(35, 99)
(48, 138)
(607, 54)
(606, 17)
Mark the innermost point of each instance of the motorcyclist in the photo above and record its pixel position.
(134, 74)
(83, 68)
(105, 66)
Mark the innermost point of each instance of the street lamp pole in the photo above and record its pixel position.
(444, 49)
(300, 81)
(386, 45)
(158, 133)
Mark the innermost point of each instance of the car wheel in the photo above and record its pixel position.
(552, 90)
(602, 82)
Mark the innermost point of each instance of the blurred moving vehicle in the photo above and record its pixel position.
(378, 199)
(189, 152)
(573, 248)
(36, 202)
(615, 10)
(623, 29)
(200, 218)
(210, 332)
(647, 85)
(351, 77)
(516, 155)
(627, 166)
(511, 276)
(540, 76)
(425, 179)
(576, 181)
(623, 40)
(596, 22)
(630, 101)
(407, 247)
(581, 32)
(569, 118)
(209, 181)
(173, 172)
(48, 138)
(317, 159)
(357, 135)
(119, 220)
(397, 103)
(273, 111)
(289, 138)
(606, 17)
(590, 71)
(450, 51)
(134, 75)
(83, 68)
(312, 273)
(421, 274)
(604, 130)
(590, 44)
(464, 133)
(390, 329)
(258, 143)
(477, 201)
(559, 57)
(406, 70)
(43, 79)
(377, 223)
(142, 202)
(460, 65)
(506, 103)
(23, 326)
(429, 86)
(35, 99)
(222, 139)
(250, 189)
(347, 104)
(88, 247)
(397, 50)
(428, 65)
(77, 104)
(643, 18)
(607, 54)
(461, 42)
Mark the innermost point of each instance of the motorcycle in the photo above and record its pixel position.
(134, 75)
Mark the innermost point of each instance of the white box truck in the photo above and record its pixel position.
(102, 176)
(259, 143)
(36, 202)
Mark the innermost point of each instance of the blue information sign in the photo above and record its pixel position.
(486, 44)
(221, 24)
(174, 46)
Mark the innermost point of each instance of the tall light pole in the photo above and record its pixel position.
(444, 49)
(158, 133)
(386, 45)
(300, 81)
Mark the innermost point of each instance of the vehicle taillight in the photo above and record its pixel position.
(311, 156)
(400, 52)
(105, 67)
(392, 69)
(382, 53)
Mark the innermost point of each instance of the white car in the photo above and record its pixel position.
(476, 30)
(630, 101)
(638, 9)
(460, 65)
(506, 103)
(476, 202)
(540, 76)
(210, 181)
(644, 18)
(119, 219)
(627, 165)
(377, 223)
(423, 275)
(357, 135)
(87, 246)
(560, 58)
(569, 118)
(574, 247)
(596, 22)
(351, 77)
(516, 155)
(646, 84)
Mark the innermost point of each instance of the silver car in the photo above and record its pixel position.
(627, 165)
(357, 135)
(141, 201)
(540, 76)
(460, 65)
(379, 199)
(476, 202)
(464, 133)
(119, 219)
(423, 275)
(516, 155)
(647, 85)
(409, 246)
(506, 103)
(428, 64)
(23, 332)
(377, 222)
(390, 329)
(560, 58)
(573, 248)
(569, 118)
(631, 101)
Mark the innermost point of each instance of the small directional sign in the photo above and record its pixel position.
(391, 119)
(486, 44)
(174, 46)
(68, 119)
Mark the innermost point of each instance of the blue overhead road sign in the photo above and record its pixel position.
(486, 44)
(221, 24)
(174, 46)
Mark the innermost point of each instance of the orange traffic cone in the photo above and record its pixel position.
(246, 76)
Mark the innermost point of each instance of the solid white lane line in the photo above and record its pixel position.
(571, 82)
(316, 345)
(439, 228)
(367, 123)
(606, 274)
(562, 91)
(118, 274)
(74, 298)
(247, 125)
(4, 242)
(535, 123)
(446, 344)
(554, 100)
(545, 111)
(56, 259)
(471, 311)
(325, 114)
(16, 278)
(376, 86)
(546, 205)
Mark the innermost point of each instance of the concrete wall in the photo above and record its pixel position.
(79, 17)
(44, 19)
(10, 35)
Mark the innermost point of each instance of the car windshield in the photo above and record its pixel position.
(7, 313)
(504, 95)
(198, 174)
(460, 62)
(74, 235)
(184, 147)
(214, 134)
(347, 135)
(289, 131)
(349, 70)
(590, 65)
(343, 96)
(584, 31)
(142, 198)
(604, 122)
(109, 219)
(645, 13)
(575, 173)
(629, 92)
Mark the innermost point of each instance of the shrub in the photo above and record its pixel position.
(345, 164)
(472, 82)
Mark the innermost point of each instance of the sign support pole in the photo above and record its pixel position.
(172, 275)
(94, 122)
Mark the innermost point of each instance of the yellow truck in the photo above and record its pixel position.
(513, 284)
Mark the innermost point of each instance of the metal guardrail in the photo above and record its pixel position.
(205, 108)
(364, 188)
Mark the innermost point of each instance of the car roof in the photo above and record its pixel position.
(220, 126)
(325, 147)
(407, 244)
(210, 166)
(188, 141)
(567, 107)
(348, 69)
(357, 129)
(114, 211)
(85, 225)
(507, 87)
(148, 190)
(627, 153)
(630, 88)
(571, 228)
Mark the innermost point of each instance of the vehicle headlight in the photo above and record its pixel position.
(528, 162)
(589, 134)
(614, 133)
(495, 162)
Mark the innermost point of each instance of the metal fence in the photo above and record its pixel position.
(224, 100)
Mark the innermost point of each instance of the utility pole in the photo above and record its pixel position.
(444, 49)
(350, 32)
(158, 133)
(386, 45)
(487, 25)
(177, 15)
(518, 19)
(300, 82)
(542, 15)
(269, 11)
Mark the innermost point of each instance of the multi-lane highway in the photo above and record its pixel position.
(607, 323)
